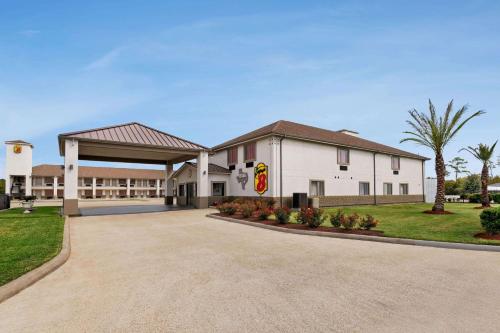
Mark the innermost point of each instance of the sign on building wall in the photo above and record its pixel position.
(18, 149)
(260, 178)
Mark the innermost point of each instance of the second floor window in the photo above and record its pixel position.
(342, 156)
(232, 156)
(250, 152)
(395, 162)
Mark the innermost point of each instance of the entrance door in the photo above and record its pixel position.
(190, 193)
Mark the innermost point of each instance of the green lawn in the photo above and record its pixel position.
(28, 240)
(408, 221)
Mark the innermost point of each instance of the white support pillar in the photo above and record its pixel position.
(55, 188)
(71, 177)
(169, 190)
(158, 181)
(202, 180)
(128, 187)
(94, 187)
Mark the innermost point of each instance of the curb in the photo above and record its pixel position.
(24, 281)
(390, 240)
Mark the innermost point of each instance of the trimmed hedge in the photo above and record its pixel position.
(490, 220)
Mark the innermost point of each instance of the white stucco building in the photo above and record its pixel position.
(275, 161)
(337, 167)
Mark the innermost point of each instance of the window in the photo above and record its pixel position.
(403, 189)
(250, 152)
(395, 162)
(317, 188)
(342, 156)
(181, 190)
(232, 156)
(387, 189)
(364, 188)
(218, 189)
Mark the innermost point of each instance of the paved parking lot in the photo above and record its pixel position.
(179, 271)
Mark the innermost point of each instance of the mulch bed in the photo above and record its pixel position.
(484, 235)
(432, 212)
(305, 227)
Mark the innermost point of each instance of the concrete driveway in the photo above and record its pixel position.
(181, 272)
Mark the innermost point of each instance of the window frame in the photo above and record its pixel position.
(407, 188)
(365, 194)
(384, 187)
(320, 189)
(245, 158)
(339, 162)
(392, 163)
(183, 192)
(223, 190)
(229, 150)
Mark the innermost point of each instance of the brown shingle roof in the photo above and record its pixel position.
(135, 134)
(310, 133)
(49, 170)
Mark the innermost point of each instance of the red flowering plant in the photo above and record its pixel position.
(313, 217)
(368, 222)
(264, 213)
(350, 221)
(247, 209)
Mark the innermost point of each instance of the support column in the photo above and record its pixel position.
(70, 203)
(169, 188)
(55, 188)
(94, 186)
(158, 188)
(128, 187)
(202, 180)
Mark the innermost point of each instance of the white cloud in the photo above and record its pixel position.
(106, 60)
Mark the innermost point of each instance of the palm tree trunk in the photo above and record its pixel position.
(485, 200)
(440, 174)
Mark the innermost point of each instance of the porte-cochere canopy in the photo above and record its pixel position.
(130, 143)
(133, 143)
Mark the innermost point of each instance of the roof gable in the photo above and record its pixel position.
(135, 134)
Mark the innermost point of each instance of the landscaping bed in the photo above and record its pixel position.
(298, 226)
(28, 240)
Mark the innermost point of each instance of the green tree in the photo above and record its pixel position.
(484, 153)
(472, 184)
(459, 166)
(435, 133)
(2, 186)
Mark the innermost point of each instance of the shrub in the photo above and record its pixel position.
(264, 213)
(313, 217)
(228, 208)
(495, 197)
(476, 198)
(368, 222)
(350, 221)
(282, 215)
(247, 209)
(490, 220)
(336, 219)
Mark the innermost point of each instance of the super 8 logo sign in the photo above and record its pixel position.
(260, 178)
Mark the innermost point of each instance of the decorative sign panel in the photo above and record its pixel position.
(260, 178)
(18, 149)
(242, 178)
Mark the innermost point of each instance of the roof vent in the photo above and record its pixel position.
(349, 132)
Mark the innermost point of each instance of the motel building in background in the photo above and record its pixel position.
(335, 167)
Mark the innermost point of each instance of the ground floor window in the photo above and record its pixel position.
(364, 188)
(218, 189)
(387, 188)
(181, 190)
(317, 188)
(403, 189)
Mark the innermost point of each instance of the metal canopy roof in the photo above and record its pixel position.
(131, 142)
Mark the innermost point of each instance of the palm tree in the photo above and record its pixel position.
(435, 133)
(484, 153)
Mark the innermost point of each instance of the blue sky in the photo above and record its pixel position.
(209, 71)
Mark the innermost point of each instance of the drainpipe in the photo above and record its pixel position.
(423, 181)
(374, 180)
(281, 171)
